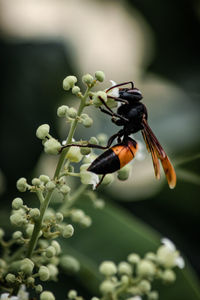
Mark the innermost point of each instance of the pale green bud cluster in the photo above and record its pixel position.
(135, 276)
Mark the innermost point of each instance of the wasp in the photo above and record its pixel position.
(132, 116)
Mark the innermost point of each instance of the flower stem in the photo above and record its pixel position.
(44, 205)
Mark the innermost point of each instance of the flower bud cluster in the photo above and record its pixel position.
(135, 275)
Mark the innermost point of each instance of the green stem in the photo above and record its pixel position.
(45, 203)
(73, 199)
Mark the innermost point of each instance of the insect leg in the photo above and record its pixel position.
(120, 84)
(110, 111)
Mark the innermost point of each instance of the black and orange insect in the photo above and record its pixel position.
(132, 115)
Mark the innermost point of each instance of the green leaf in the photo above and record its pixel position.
(113, 235)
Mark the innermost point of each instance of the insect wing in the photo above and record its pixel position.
(156, 150)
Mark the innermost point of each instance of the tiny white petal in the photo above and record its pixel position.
(169, 244)
(180, 262)
(135, 298)
(114, 92)
(64, 143)
(94, 180)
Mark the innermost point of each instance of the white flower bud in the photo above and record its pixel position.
(107, 286)
(100, 76)
(168, 276)
(146, 268)
(62, 111)
(46, 295)
(18, 219)
(68, 231)
(72, 112)
(70, 264)
(96, 98)
(50, 251)
(133, 258)
(153, 295)
(36, 182)
(53, 270)
(44, 178)
(27, 266)
(74, 154)
(17, 203)
(43, 273)
(29, 230)
(30, 280)
(108, 268)
(1, 233)
(102, 138)
(77, 215)
(38, 288)
(72, 294)
(89, 178)
(167, 257)
(99, 203)
(65, 189)
(34, 213)
(59, 217)
(56, 245)
(50, 185)
(124, 268)
(17, 235)
(87, 122)
(86, 221)
(87, 79)
(75, 90)
(52, 146)
(144, 286)
(69, 82)
(151, 256)
(42, 131)
(22, 184)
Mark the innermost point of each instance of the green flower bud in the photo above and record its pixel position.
(1, 233)
(108, 268)
(124, 279)
(144, 286)
(100, 76)
(50, 251)
(42, 131)
(97, 98)
(17, 203)
(50, 185)
(2, 264)
(65, 189)
(56, 245)
(70, 264)
(22, 184)
(69, 82)
(72, 112)
(62, 111)
(43, 273)
(53, 271)
(17, 235)
(59, 217)
(87, 79)
(34, 213)
(46, 295)
(153, 295)
(10, 278)
(75, 90)
(36, 182)
(93, 140)
(68, 231)
(52, 146)
(30, 281)
(168, 276)
(44, 178)
(146, 268)
(108, 179)
(85, 151)
(27, 266)
(124, 172)
(72, 294)
(38, 288)
(124, 268)
(77, 215)
(99, 203)
(74, 154)
(107, 287)
(95, 298)
(133, 258)
(87, 122)
(102, 138)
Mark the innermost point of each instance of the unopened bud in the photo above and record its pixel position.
(62, 111)
(43, 273)
(108, 268)
(22, 184)
(17, 203)
(87, 79)
(52, 146)
(100, 76)
(46, 295)
(68, 231)
(42, 131)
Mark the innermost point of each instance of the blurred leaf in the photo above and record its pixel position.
(188, 176)
(113, 235)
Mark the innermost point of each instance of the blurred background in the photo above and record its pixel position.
(155, 44)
